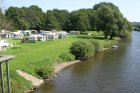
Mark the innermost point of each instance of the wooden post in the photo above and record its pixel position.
(1, 74)
(5, 58)
(8, 79)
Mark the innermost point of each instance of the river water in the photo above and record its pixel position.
(110, 71)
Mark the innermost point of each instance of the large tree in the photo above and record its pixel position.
(83, 19)
(109, 19)
(51, 22)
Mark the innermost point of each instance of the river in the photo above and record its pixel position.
(111, 71)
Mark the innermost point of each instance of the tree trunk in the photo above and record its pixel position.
(111, 36)
(105, 34)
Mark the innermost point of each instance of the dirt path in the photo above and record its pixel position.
(35, 81)
(61, 66)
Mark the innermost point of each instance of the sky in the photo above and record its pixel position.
(129, 8)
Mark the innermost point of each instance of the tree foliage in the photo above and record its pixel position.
(82, 49)
(105, 17)
(26, 18)
(110, 20)
(4, 22)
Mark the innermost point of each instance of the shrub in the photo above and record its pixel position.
(125, 35)
(108, 44)
(45, 71)
(67, 57)
(44, 68)
(82, 49)
(96, 44)
(24, 39)
(84, 33)
(85, 36)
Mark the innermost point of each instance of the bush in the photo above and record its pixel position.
(24, 39)
(45, 71)
(96, 44)
(108, 44)
(84, 33)
(44, 68)
(125, 35)
(67, 57)
(82, 49)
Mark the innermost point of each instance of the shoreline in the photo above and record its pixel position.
(57, 68)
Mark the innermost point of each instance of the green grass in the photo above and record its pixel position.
(31, 56)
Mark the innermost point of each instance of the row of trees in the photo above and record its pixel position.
(104, 17)
(137, 27)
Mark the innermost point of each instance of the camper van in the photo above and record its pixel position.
(36, 37)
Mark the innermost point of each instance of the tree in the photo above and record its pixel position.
(26, 18)
(57, 19)
(109, 19)
(62, 17)
(39, 17)
(4, 22)
(51, 21)
(80, 20)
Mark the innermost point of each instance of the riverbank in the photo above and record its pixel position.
(40, 57)
(38, 82)
(57, 68)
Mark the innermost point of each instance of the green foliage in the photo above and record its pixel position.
(125, 35)
(110, 20)
(84, 33)
(4, 22)
(96, 44)
(67, 57)
(82, 49)
(38, 58)
(136, 27)
(42, 68)
(26, 18)
(18, 83)
(44, 71)
(105, 17)
(108, 45)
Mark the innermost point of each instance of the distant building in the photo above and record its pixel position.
(74, 32)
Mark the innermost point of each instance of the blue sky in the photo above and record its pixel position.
(129, 8)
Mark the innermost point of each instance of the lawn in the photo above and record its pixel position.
(31, 56)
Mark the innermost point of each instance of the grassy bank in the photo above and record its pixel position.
(33, 57)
